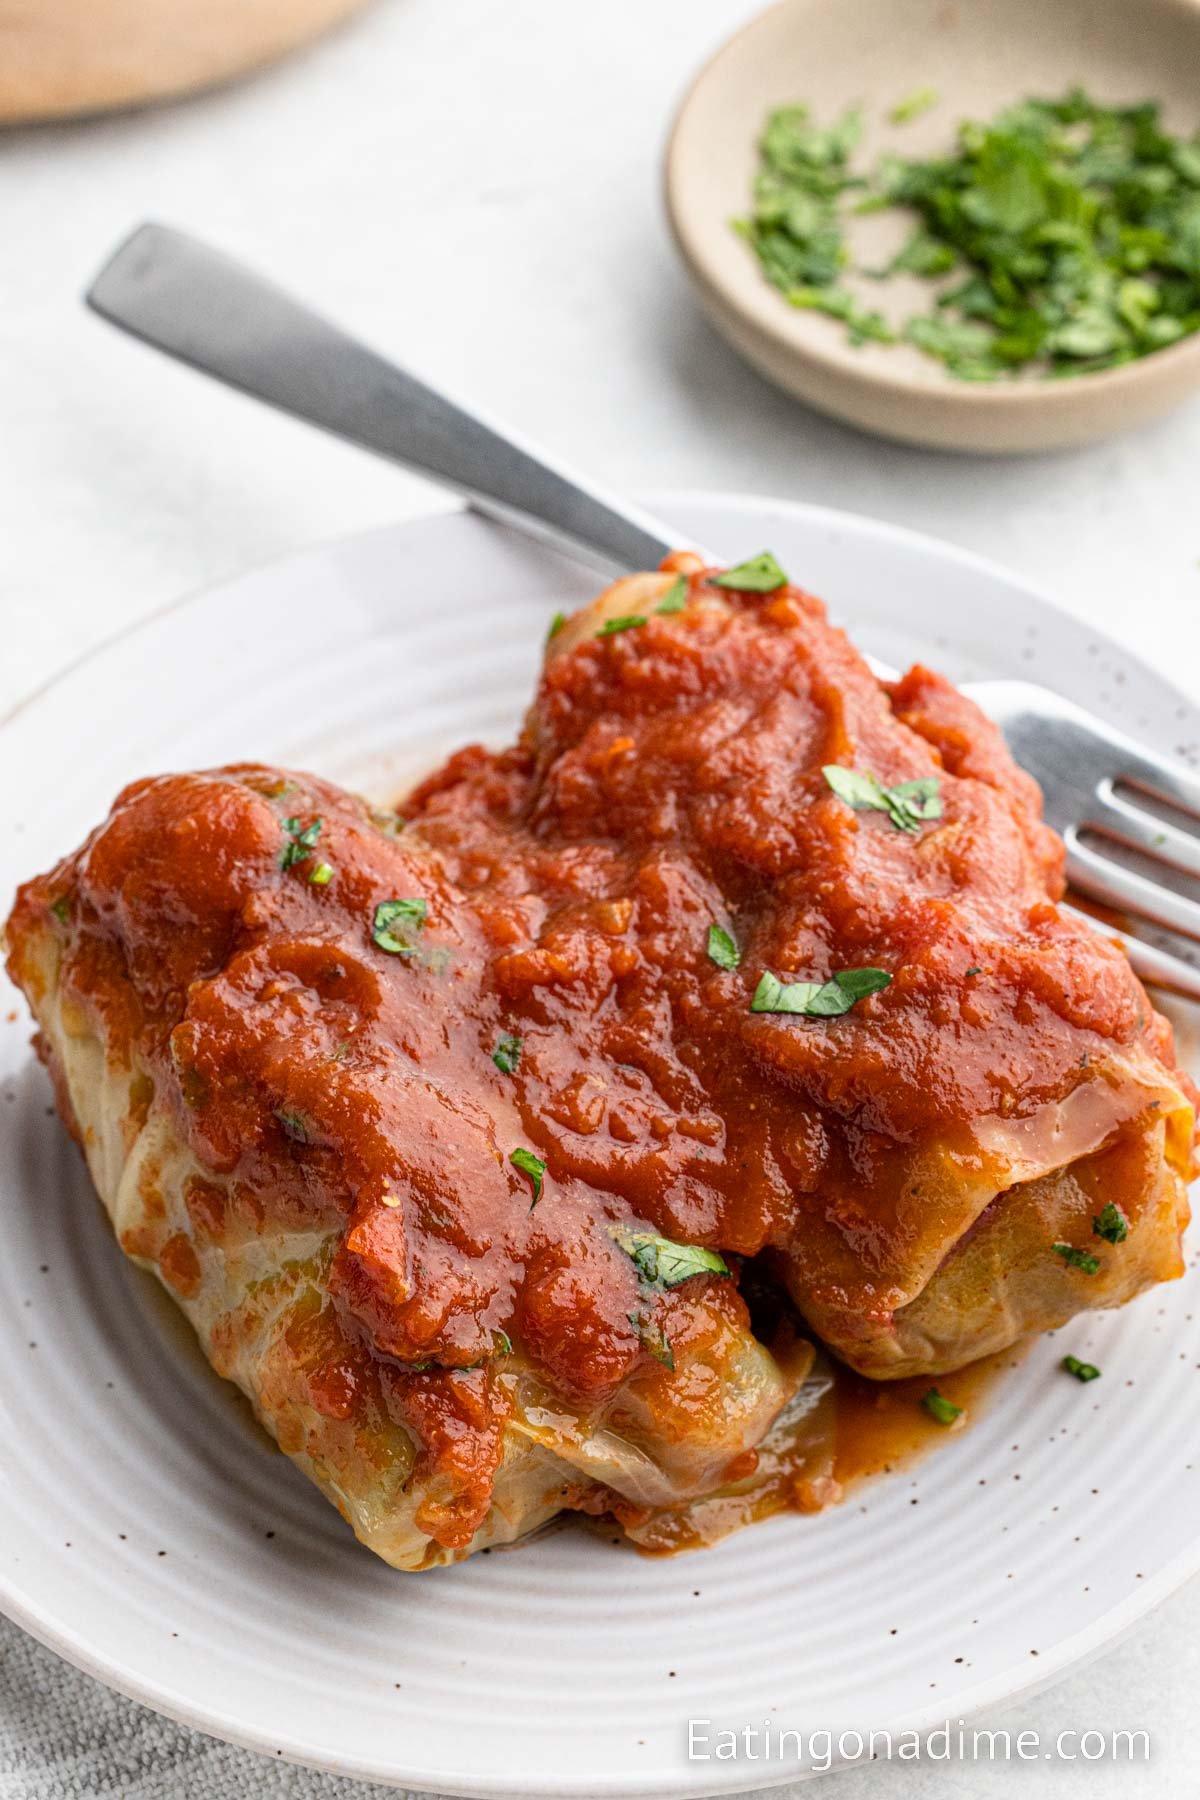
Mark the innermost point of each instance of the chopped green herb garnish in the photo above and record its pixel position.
(1111, 1224)
(502, 1343)
(909, 804)
(1070, 230)
(627, 622)
(939, 1408)
(817, 999)
(61, 908)
(1077, 1259)
(913, 105)
(507, 1054)
(976, 971)
(662, 1263)
(675, 598)
(556, 625)
(1080, 1370)
(653, 1339)
(534, 1167)
(722, 948)
(398, 912)
(300, 842)
(761, 575)
(295, 1125)
(321, 876)
(390, 823)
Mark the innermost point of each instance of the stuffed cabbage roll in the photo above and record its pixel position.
(467, 1139)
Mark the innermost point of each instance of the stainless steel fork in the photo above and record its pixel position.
(1122, 810)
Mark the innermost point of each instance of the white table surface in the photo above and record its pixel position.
(474, 188)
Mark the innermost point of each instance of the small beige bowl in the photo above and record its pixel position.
(978, 55)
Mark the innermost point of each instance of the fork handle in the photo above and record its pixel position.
(210, 311)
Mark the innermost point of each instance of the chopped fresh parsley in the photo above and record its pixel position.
(556, 625)
(817, 999)
(534, 1167)
(1080, 1370)
(300, 842)
(502, 1343)
(390, 823)
(390, 913)
(913, 105)
(1082, 1260)
(977, 970)
(722, 948)
(761, 575)
(61, 908)
(1064, 233)
(662, 1263)
(295, 1125)
(653, 1339)
(675, 598)
(939, 1408)
(626, 622)
(507, 1053)
(908, 805)
(1111, 1224)
(321, 876)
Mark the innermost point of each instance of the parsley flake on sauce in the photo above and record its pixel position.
(1111, 1224)
(1080, 1370)
(653, 1339)
(322, 875)
(299, 846)
(722, 948)
(939, 1408)
(294, 1124)
(390, 913)
(1083, 1260)
(761, 575)
(391, 824)
(556, 625)
(626, 622)
(534, 1167)
(817, 999)
(662, 1263)
(675, 598)
(909, 804)
(507, 1053)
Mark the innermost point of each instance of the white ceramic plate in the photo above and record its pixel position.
(148, 1532)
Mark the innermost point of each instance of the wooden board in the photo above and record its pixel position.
(64, 57)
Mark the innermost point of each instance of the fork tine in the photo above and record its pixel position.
(1157, 774)
(1041, 725)
(1158, 967)
(1112, 813)
(1127, 891)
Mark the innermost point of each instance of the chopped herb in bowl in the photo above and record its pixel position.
(1063, 235)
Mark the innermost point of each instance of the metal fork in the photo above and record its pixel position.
(1101, 788)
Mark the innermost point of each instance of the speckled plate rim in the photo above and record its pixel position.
(1012, 1683)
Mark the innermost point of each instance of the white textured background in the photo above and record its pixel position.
(473, 185)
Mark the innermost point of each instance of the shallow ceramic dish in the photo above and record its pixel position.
(978, 55)
(150, 1534)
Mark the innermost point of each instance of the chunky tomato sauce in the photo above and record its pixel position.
(669, 777)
